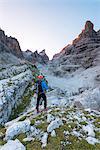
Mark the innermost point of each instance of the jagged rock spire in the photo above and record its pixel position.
(87, 32)
(89, 26)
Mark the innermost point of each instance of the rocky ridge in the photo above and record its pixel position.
(83, 53)
(36, 57)
(9, 44)
(10, 47)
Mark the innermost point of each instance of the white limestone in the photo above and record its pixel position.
(92, 140)
(17, 128)
(53, 133)
(50, 118)
(13, 145)
(44, 139)
(89, 129)
(54, 124)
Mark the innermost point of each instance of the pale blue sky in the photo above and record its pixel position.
(47, 24)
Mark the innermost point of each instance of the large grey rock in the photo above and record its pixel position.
(17, 128)
(13, 145)
(54, 124)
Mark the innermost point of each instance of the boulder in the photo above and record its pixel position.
(13, 145)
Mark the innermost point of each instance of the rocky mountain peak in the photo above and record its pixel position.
(2, 35)
(11, 44)
(87, 33)
(28, 50)
(36, 57)
(44, 56)
(84, 52)
(89, 26)
(42, 52)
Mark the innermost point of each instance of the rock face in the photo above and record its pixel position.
(10, 44)
(44, 56)
(88, 32)
(83, 53)
(12, 90)
(36, 57)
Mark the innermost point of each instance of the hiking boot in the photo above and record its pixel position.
(38, 111)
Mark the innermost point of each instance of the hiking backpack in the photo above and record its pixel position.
(39, 87)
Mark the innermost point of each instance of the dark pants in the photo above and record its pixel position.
(38, 100)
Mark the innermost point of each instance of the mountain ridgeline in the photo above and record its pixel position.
(84, 52)
(10, 51)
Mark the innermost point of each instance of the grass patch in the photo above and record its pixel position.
(97, 122)
(2, 129)
(43, 126)
(83, 123)
(40, 117)
(97, 135)
(23, 118)
(71, 126)
(20, 137)
(2, 132)
(77, 144)
(90, 117)
(2, 142)
(33, 145)
(32, 122)
(10, 83)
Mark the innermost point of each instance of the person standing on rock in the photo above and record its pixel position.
(41, 88)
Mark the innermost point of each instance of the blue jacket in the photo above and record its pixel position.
(44, 86)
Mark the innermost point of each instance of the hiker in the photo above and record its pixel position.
(41, 88)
